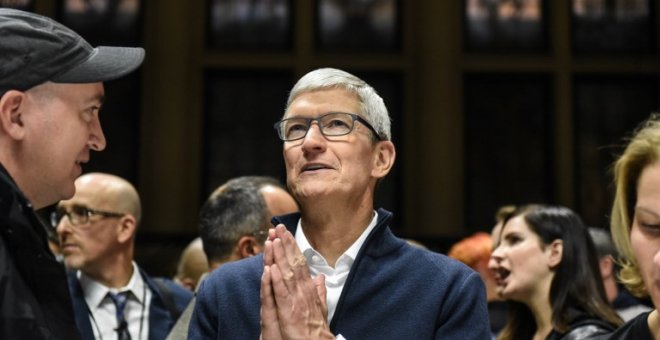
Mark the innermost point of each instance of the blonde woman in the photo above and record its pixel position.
(635, 225)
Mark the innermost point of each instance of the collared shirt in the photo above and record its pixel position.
(102, 309)
(334, 277)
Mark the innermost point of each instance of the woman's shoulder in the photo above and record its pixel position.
(594, 330)
(585, 328)
(636, 328)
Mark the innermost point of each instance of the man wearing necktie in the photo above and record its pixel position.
(112, 297)
(120, 300)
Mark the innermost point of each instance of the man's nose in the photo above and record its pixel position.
(314, 137)
(96, 140)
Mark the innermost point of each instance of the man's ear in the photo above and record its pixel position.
(11, 113)
(555, 252)
(127, 227)
(384, 156)
(248, 246)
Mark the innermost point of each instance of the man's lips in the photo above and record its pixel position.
(80, 162)
(315, 167)
(67, 247)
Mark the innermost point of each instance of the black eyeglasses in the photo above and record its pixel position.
(330, 124)
(79, 214)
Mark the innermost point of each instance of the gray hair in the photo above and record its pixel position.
(372, 105)
(235, 209)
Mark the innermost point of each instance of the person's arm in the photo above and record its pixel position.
(292, 302)
(204, 320)
(466, 314)
(180, 329)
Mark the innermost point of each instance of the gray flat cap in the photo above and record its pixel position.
(35, 49)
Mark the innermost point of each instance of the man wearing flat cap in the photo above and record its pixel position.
(51, 91)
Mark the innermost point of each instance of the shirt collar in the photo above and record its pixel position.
(352, 251)
(95, 292)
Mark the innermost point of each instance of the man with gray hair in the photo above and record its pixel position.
(335, 269)
(625, 304)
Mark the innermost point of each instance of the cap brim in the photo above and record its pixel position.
(104, 64)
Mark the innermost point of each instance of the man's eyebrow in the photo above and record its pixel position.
(97, 99)
(78, 206)
(100, 99)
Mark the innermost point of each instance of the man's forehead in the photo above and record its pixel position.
(316, 112)
(81, 197)
(89, 191)
(326, 100)
(82, 94)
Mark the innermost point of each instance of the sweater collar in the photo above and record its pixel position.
(378, 235)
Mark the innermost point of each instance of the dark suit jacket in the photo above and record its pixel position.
(161, 319)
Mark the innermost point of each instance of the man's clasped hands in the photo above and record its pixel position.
(293, 304)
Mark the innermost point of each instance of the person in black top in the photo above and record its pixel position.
(635, 225)
(545, 265)
(51, 90)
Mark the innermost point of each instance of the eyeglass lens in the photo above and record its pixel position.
(331, 124)
(77, 215)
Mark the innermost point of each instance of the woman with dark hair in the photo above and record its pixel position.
(635, 225)
(546, 266)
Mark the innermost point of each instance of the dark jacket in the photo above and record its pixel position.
(584, 327)
(393, 291)
(34, 300)
(635, 329)
(168, 300)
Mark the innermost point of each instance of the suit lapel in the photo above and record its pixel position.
(80, 308)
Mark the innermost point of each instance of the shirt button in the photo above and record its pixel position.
(316, 259)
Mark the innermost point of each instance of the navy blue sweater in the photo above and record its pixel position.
(393, 291)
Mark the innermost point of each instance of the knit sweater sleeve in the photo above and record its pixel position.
(204, 320)
(465, 314)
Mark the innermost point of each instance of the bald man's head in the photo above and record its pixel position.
(110, 192)
(278, 201)
(97, 227)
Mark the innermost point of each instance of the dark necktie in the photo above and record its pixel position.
(120, 300)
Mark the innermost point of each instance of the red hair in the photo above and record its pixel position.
(473, 250)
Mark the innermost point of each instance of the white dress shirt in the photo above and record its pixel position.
(334, 277)
(102, 309)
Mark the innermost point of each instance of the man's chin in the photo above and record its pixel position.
(68, 191)
(311, 191)
(71, 265)
(71, 262)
